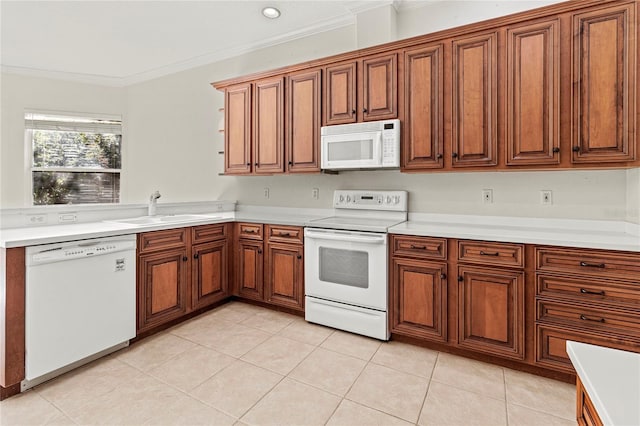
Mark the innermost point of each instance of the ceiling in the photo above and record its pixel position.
(124, 42)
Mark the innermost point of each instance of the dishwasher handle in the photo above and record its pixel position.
(347, 237)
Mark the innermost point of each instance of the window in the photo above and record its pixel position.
(74, 159)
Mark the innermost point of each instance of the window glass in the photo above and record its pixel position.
(74, 160)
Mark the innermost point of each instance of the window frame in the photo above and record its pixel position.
(30, 168)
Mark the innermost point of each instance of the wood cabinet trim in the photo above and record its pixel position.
(12, 331)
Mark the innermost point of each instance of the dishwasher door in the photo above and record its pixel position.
(80, 301)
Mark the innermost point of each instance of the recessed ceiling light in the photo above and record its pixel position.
(271, 12)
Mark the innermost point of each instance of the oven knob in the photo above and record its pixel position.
(396, 199)
(388, 199)
(348, 198)
(342, 198)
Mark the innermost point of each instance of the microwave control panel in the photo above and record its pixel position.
(390, 143)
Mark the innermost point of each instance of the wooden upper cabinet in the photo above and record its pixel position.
(268, 127)
(362, 90)
(339, 100)
(380, 85)
(423, 95)
(533, 92)
(604, 78)
(475, 96)
(303, 122)
(237, 135)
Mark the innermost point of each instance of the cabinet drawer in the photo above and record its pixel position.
(285, 234)
(161, 240)
(206, 233)
(594, 318)
(420, 247)
(589, 290)
(589, 262)
(551, 345)
(484, 253)
(250, 231)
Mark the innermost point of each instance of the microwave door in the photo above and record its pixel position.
(356, 150)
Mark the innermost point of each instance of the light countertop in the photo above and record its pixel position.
(558, 232)
(611, 378)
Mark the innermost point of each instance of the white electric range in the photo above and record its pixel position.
(346, 258)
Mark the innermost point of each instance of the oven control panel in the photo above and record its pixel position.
(370, 200)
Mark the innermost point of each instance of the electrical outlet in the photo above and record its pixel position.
(315, 193)
(36, 219)
(487, 196)
(265, 192)
(67, 217)
(546, 197)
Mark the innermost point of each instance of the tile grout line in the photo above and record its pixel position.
(424, 400)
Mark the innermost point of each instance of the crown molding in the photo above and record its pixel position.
(99, 80)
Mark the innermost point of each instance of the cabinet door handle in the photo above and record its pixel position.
(365, 110)
(185, 258)
(249, 164)
(196, 256)
(460, 278)
(576, 149)
(597, 293)
(592, 265)
(454, 155)
(259, 251)
(256, 164)
(443, 276)
(484, 253)
(586, 318)
(418, 247)
(291, 163)
(439, 156)
(353, 111)
(299, 256)
(556, 149)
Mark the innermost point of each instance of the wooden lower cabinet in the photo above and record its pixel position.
(162, 287)
(586, 414)
(275, 276)
(249, 277)
(491, 310)
(418, 299)
(209, 272)
(176, 277)
(284, 275)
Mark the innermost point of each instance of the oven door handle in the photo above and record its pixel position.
(377, 239)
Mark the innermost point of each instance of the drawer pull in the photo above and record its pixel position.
(284, 234)
(586, 318)
(592, 265)
(249, 231)
(484, 253)
(418, 247)
(598, 293)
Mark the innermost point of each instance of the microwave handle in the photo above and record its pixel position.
(377, 239)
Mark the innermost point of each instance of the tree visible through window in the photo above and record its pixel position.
(75, 160)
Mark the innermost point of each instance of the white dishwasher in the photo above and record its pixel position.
(80, 303)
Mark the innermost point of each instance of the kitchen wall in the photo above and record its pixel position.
(171, 139)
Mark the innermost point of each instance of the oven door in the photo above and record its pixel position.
(352, 150)
(346, 266)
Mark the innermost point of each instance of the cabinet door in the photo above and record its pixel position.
(209, 279)
(475, 95)
(249, 270)
(423, 131)
(339, 94)
(418, 299)
(604, 76)
(533, 92)
(380, 82)
(237, 130)
(491, 311)
(162, 287)
(284, 276)
(303, 121)
(268, 126)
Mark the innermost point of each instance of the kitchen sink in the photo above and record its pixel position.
(178, 218)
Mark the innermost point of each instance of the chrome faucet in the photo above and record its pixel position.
(153, 202)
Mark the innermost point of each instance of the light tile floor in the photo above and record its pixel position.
(245, 365)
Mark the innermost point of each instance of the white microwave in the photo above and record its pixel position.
(372, 145)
